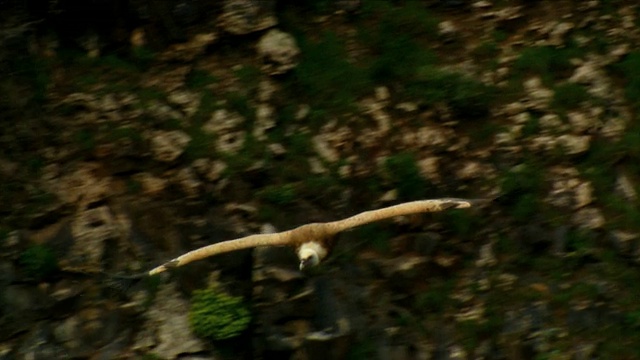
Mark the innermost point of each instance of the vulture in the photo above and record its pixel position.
(314, 241)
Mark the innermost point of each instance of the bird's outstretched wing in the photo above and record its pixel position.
(413, 207)
(313, 231)
(281, 238)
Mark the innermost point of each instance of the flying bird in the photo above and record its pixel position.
(313, 242)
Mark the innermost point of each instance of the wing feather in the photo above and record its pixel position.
(413, 207)
(282, 238)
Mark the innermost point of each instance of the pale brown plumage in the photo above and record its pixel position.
(317, 233)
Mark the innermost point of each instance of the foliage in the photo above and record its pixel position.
(37, 73)
(467, 97)
(550, 63)
(521, 187)
(375, 234)
(462, 222)
(630, 70)
(217, 315)
(85, 140)
(437, 298)
(206, 107)
(279, 195)
(403, 171)
(532, 126)
(4, 233)
(411, 18)
(362, 350)
(569, 96)
(486, 50)
(198, 79)
(249, 76)
(200, 146)
(39, 261)
(393, 40)
(325, 76)
(142, 57)
(239, 103)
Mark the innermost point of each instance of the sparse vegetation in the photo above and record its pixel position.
(85, 139)
(569, 96)
(198, 79)
(216, 315)
(376, 235)
(39, 262)
(404, 174)
(397, 52)
(436, 299)
(550, 63)
(468, 98)
(200, 146)
(326, 77)
(278, 195)
(521, 189)
(629, 68)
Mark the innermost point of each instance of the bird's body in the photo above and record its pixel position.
(313, 242)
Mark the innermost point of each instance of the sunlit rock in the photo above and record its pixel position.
(278, 52)
(167, 146)
(246, 16)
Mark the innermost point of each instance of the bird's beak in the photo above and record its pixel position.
(304, 263)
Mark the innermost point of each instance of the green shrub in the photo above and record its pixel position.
(39, 261)
(521, 189)
(486, 50)
(550, 63)
(404, 174)
(377, 235)
(249, 76)
(437, 298)
(461, 222)
(569, 96)
(279, 195)
(200, 146)
(30, 78)
(396, 50)
(216, 315)
(325, 76)
(85, 139)
(465, 96)
(630, 71)
(198, 79)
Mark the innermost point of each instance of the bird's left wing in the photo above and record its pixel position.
(281, 238)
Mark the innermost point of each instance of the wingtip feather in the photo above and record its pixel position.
(454, 203)
(170, 264)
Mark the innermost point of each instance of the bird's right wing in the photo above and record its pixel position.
(413, 207)
(281, 238)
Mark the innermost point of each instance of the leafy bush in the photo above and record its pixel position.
(630, 69)
(198, 79)
(569, 96)
(521, 188)
(279, 195)
(325, 76)
(397, 52)
(217, 315)
(39, 261)
(405, 176)
(466, 97)
(548, 62)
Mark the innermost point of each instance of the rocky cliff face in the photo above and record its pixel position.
(184, 123)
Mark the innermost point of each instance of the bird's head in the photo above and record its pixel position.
(310, 255)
